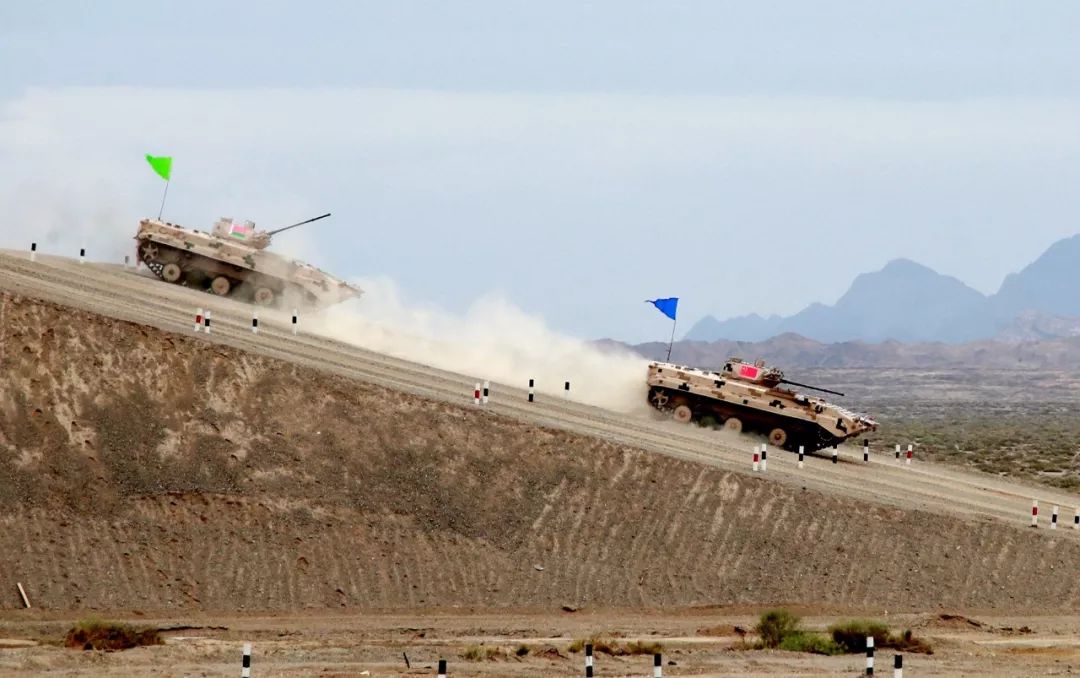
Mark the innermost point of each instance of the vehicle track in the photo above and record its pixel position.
(113, 291)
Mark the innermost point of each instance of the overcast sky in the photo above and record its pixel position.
(575, 158)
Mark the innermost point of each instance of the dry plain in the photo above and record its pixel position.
(330, 504)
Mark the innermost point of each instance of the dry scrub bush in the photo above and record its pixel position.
(94, 634)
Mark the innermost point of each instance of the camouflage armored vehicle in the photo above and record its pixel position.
(231, 261)
(751, 397)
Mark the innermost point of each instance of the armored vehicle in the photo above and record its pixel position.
(752, 397)
(231, 261)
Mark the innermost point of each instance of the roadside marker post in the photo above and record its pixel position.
(756, 466)
(588, 661)
(532, 384)
(198, 319)
(1034, 512)
(898, 454)
(82, 255)
(866, 451)
(869, 655)
(908, 461)
(476, 394)
(487, 388)
(834, 454)
(245, 671)
(1053, 518)
(442, 668)
(206, 321)
(127, 261)
(254, 322)
(898, 666)
(1076, 519)
(33, 251)
(657, 666)
(295, 323)
(764, 457)
(566, 389)
(800, 456)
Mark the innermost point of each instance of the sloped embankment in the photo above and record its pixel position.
(140, 469)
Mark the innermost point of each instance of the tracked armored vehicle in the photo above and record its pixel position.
(231, 261)
(752, 397)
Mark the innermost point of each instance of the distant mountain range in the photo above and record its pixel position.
(908, 302)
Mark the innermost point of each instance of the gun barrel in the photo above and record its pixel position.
(299, 223)
(816, 388)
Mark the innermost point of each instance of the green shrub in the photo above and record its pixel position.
(775, 625)
(814, 643)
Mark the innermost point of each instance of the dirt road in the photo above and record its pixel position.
(115, 292)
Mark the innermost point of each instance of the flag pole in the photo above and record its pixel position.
(673, 322)
(166, 193)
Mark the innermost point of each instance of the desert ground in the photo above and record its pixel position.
(337, 507)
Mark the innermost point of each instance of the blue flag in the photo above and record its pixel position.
(665, 306)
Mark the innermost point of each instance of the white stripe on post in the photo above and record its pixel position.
(246, 666)
(442, 668)
(898, 666)
(800, 456)
(869, 655)
(487, 387)
(588, 661)
(764, 457)
(657, 666)
(1053, 518)
(198, 319)
(1034, 512)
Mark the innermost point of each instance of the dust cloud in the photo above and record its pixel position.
(492, 340)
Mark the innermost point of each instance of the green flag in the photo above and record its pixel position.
(162, 165)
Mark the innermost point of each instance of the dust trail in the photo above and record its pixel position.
(493, 340)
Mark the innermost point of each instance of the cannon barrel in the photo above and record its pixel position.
(299, 223)
(815, 388)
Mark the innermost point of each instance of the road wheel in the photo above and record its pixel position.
(658, 398)
(683, 414)
(733, 424)
(171, 273)
(778, 437)
(220, 286)
(264, 296)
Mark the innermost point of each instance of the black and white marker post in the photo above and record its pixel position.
(487, 391)
(295, 321)
(245, 671)
(1053, 518)
(127, 261)
(764, 457)
(532, 384)
(206, 321)
(898, 454)
(898, 666)
(588, 661)
(866, 451)
(442, 668)
(82, 255)
(566, 389)
(33, 251)
(834, 454)
(869, 655)
(254, 322)
(800, 456)
(1076, 519)
(657, 666)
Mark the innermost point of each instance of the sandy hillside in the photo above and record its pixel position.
(143, 469)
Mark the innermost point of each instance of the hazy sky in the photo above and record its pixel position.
(575, 158)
